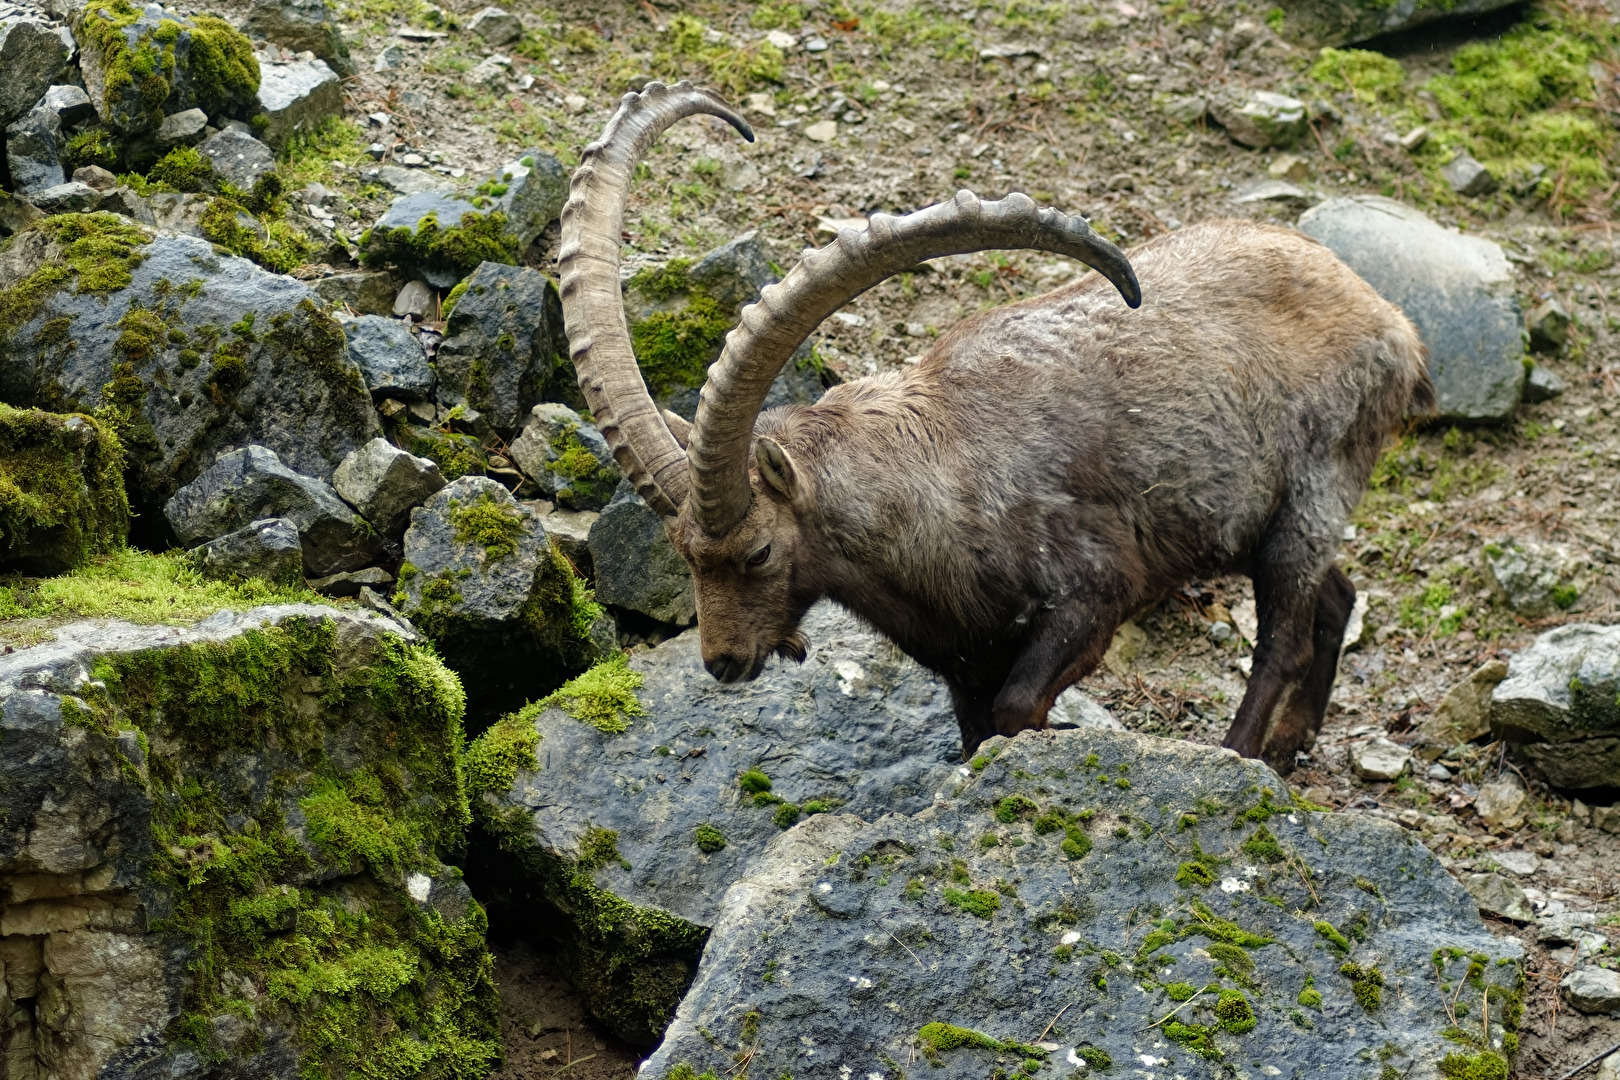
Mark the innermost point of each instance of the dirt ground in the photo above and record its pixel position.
(545, 1031)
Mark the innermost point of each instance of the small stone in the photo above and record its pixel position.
(1556, 708)
(1606, 818)
(1501, 803)
(503, 347)
(1564, 928)
(181, 129)
(370, 292)
(1122, 182)
(16, 214)
(1260, 118)
(822, 131)
(31, 55)
(1592, 989)
(296, 98)
(1289, 167)
(1272, 191)
(1074, 709)
(1468, 177)
(377, 151)
(1380, 759)
(1221, 632)
(95, 176)
(1548, 324)
(1414, 138)
(384, 482)
(69, 198)
(268, 548)
(1187, 110)
(389, 356)
(1438, 772)
(496, 26)
(412, 161)
(781, 39)
(415, 300)
(816, 44)
(1520, 863)
(408, 178)
(1542, 384)
(576, 103)
(351, 582)
(237, 156)
(1464, 714)
(301, 26)
(33, 145)
(1608, 1068)
(566, 458)
(388, 58)
(1534, 578)
(489, 74)
(1496, 895)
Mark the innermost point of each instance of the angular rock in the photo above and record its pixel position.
(504, 347)
(69, 198)
(297, 97)
(1259, 118)
(301, 26)
(857, 726)
(268, 549)
(1548, 323)
(71, 104)
(1073, 709)
(1542, 384)
(245, 485)
(1468, 177)
(370, 292)
(34, 145)
(246, 356)
(1458, 290)
(1517, 863)
(1535, 579)
(1560, 706)
(415, 299)
(1501, 803)
(570, 530)
(213, 65)
(409, 181)
(384, 483)
(1565, 928)
(181, 129)
(142, 761)
(1380, 759)
(1498, 896)
(1272, 191)
(1315, 23)
(124, 202)
(61, 491)
(503, 607)
(636, 566)
(350, 583)
(1187, 110)
(389, 357)
(95, 176)
(32, 56)
(496, 26)
(1592, 989)
(1464, 714)
(567, 459)
(1041, 880)
(16, 213)
(237, 156)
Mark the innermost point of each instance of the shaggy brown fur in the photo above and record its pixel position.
(1053, 466)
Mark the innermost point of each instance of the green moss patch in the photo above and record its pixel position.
(95, 253)
(1367, 983)
(604, 697)
(675, 348)
(61, 490)
(708, 838)
(456, 250)
(493, 526)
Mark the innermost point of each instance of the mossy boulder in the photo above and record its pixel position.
(566, 458)
(61, 490)
(221, 851)
(504, 347)
(1043, 917)
(185, 351)
(628, 802)
(1315, 23)
(301, 26)
(504, 607)
(141, 64)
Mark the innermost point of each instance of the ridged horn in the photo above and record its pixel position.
(593, 305)
(826, 279)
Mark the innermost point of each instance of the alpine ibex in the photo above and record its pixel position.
(1048, 469)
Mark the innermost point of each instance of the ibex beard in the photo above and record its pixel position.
(1048, 469)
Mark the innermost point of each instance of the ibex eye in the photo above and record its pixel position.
(758, 558)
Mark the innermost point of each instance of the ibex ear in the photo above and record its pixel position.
(775, 466)
(678, 427)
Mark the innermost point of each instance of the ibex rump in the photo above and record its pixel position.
(1049, 468)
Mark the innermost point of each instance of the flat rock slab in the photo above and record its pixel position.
(1560, 705)
(1457, 290)
(987, 912)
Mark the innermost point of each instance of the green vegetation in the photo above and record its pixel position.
(456, 250)
(1014, 807)
(1234, 1013)
(675, 347)
(590, 482)
(1327, 930)
(1368, 76)
(981, 902)
(1199, 1038)
(1192, 874)
(1263, 846)
(222, 71)
(494, 526)
(1209, 925)
(183, 169)
(604, 697)
(97, 253)
(1310, 996)
(1485, 1065)
(708, 838)
(505, 749)
(754, 782)
(1180, 991)
(734, 67)
(1366, 983)
(936, 1038)
(62, 495)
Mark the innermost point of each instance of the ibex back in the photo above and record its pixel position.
(1048, 469)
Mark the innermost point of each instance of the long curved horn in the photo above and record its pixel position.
(826, 279)
(593, 305)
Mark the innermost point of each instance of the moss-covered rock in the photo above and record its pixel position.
(61, 490)
(1338, 22)
(567, 459)
(222, 844)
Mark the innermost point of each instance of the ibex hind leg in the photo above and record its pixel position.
(1066, 645)
(1297, 726)
(973, 716)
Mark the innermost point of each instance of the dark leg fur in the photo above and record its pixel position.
(973, 710)
(1064, 648)
(1296, 728)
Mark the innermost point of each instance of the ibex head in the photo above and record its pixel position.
(737, 505)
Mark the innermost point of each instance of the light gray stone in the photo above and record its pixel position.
(124, 202)
(1608, 1068)
(496, 26)
(71, 104)
(566, 458)
(1457, 289)
(1498, 896)
(370, 292)
(103, 180)
(351, 582)
(1273, 191)
(1518, 863)
(384, 483)
(301, 26)
(1533, 578)
(69, 198)
(1592, 989)
(1542, 384)
(1380, 759)
(570, 530)
(245, 485)
(16, 213)
(411, 181)
(1468, 177)
(1259, 118)
(31, 55)
(237, 156)
(1564, 928)
(1074, 709)
(415, 299)
(1502, 802)
(181, 129)
(34, 144)
(296, 97)
(918, 910)
(268, 548)
(1464, 714)
(1559, 707)
(505, 349)
(1548, 323)
(389, 356)
(1187, 110)
(636, 565)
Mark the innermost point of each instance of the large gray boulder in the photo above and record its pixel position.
(301, 26)
(385, 483)
(34, 146)
(178, 799)
(297, 97)
(389, 356)
(1560, 705)
(567, 459)
(504, 346)
(244, 486)
(32, 56)
(1338, 22)
(1457, 290)
(268, 549)
(857, 726)
(637, 568)
(1080, 901)
(204, 352)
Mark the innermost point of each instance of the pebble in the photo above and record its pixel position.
(1438, 771)
(822, 131)
(413, 161)
(1380, 759)
(816, 45)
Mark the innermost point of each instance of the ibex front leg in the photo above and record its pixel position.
(1065, 646)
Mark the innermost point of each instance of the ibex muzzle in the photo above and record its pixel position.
(1048, 469)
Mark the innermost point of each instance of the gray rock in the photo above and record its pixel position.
(1564, 928)
(268, 548)
(34, 144)
(567, 459)
(736, 271)
(1070, 954)
(410, 213)
(1501, 803)
(123, 103)
(1542, 384)
(536, 187)
(64, 500)
(1074, 709)
(1549, 326)
(69, 198)
(857, 726)
(570, 530)
(297, 97)
(115, 734)
(1468, 177)
(504, 347)
(103, 180)
(1457, 289)
(1498, 896)
(1560, 705)
(1608, 1068)
(388, 58)
(71, 103)
(1464, 714)
(384, 483)
(1272, 191)
(1187, 110)
(1592, 989)
(416, 300)
(248, 357)
(237, 156)
(389, 357)
(636, 566)
(124, 202)
(301, 26)
(1259, 118)
(496, 26)
(1379, 759)
(182, 129)
(31, 55)
(16, 213)
(245, 485)
(1315, 23)
(411, 181)
(1533, 578)
(370, 292)
(350, 583)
